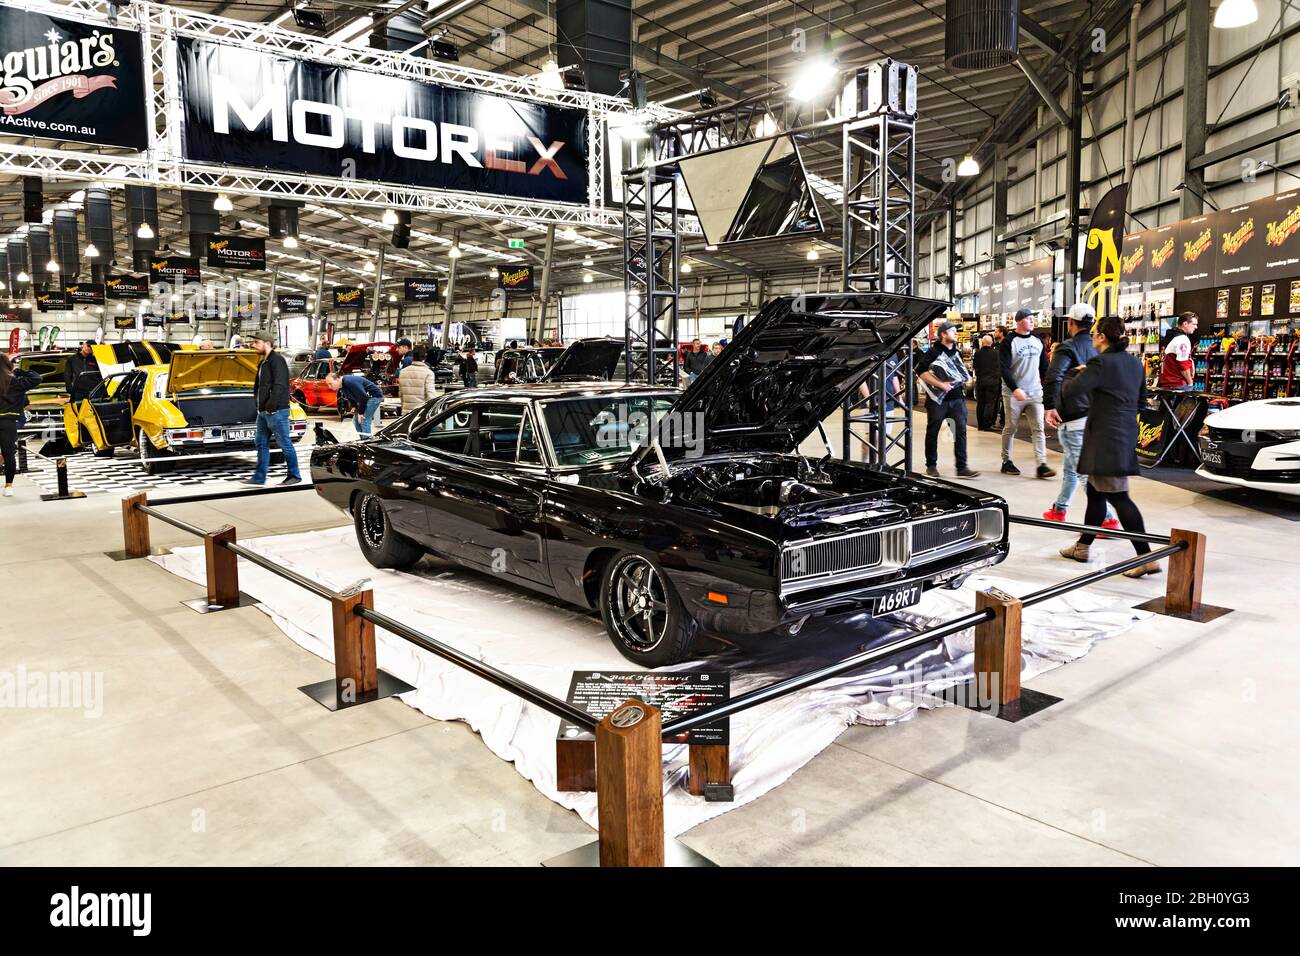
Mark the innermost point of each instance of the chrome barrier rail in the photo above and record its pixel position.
(628, 762)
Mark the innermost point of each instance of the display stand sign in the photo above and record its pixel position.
(236, 252)
(675, 694)
(349, 297)
(84, 293)
(174, 269)
(64, 80)
(1151, 435)
(420, 289)
(131, 287)
(291, 304)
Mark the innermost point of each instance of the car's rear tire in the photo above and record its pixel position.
(643, 615)
(151, 459)
(382, 546)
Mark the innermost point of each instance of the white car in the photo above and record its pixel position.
(1254, 445)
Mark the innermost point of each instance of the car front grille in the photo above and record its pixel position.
(848, 556)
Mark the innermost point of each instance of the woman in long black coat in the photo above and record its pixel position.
(1114, 384)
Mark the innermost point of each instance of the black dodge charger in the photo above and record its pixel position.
(675, 511)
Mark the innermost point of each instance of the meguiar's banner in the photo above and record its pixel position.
(127, 286)
(1102, 256)
(515, 278)
(349, 297)
(64, 80)
(236, 252)
(257, 110)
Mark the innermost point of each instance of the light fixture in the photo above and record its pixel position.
(389, 217)
(369, 268)
(2, 286)
(1235, 13)
(222, 203)
(586, 277)
(968, 166)
(767, 126)
(570, 234)
(391, 297)
(290, 242)
(686, 267)
(78, 196)
(454, 252)
(121, 307)
(52, 266)
(145, 231)
(814, 77)
(710, 248)
(633, 132)
(588, 261)
(23, 277)
(549, 76)
(813, 255)
(91, 251)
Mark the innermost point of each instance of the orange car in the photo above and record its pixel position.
(376, 360)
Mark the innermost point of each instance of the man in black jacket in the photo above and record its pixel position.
(271, 389)
(78, 383)
(1070, 416)
(988, 384)
(943, 376)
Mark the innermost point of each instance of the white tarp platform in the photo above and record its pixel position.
(543, 642)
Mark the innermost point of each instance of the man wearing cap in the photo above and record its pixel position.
(271, 387)
(404, 356)
(943, 375)
(1024, 366)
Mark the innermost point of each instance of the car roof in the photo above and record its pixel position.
(574, 390)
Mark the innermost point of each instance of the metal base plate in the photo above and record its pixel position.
(1030, 703)
(203, 607)
(70, 494)
(675, 854)
(326, 694)
(123, 556)
(1202, 615)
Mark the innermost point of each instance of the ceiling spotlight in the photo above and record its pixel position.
(710, 248)
(813, 255)
(570, 234)
(454, 252)
(392, 298)
(686, 267)
(633, 132)
(91, 251)
(968, 166)
(290, 242)
(145, 231)
(814, 78)
(52, 266)
(121, 307)
(586, 277)
(389, 217)
(23, 277)
(369, 268)
(1235, 13)
(588, 261)
(222, 203)
(2, 286)
(549, 76)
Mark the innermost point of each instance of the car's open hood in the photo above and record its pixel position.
(787, 370)
(356, 356)
(587, 360)
(212, 368)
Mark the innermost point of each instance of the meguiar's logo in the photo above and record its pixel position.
(58, 67)
(216, 245)
(1235, 240)
(1161, 255)
(1193, 250)
(1149, 434)
(514, 278)
(349, 295)
(1131, 262)
(1277, 233)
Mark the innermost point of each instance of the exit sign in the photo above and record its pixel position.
(516, 243)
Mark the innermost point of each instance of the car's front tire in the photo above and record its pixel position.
(382, 546)
(643, 615)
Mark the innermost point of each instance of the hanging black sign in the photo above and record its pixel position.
(126, 287)
(349, 297)
(151, 321)
(1135, 261)
(1239, 237)
(176, 317)
(1105, 247)
(84, 293)
(174, 269)
(1196, 252)
(1164, 254)
(291, 304)
(50, 298)
(253, 109)
(1279, 221)
(416, 289)
(515, 278)
(64, 80)
(236, 252)
(124, 322)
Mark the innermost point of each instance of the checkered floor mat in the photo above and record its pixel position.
(122, 474)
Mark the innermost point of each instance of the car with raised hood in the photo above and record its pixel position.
(672, 512)
(377, 361)
(1254, 445)
(521, 365)
(200, 404)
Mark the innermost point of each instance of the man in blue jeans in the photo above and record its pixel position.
(365, 397)
(271, 388)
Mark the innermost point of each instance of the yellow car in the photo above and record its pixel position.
(200, 404)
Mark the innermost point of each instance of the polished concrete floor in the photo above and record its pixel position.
(1175, 743)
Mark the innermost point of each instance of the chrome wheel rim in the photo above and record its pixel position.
(639, 606)
(372, 522)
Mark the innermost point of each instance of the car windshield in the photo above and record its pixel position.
(592, 431)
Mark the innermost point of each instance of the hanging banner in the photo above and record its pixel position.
(124, 322)
(84, 293)
(151, 321)
(291, 304)
(349, 297)
(1196, 247)
(986, 293)
(1101, 258)
(50, 299)
(515, 278)
(420, 289)
(236, 252)
(64, 80)
(1239, 240)
(130, 287)
(253, 109)
(1163, 256)
(15, 340)
(1134, 261)
(174, 269)
(1280, 219)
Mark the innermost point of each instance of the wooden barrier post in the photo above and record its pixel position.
(629, 786)
(135, 526)
(223, 568)
(997, 648)
(1186, 568)
(356, 673)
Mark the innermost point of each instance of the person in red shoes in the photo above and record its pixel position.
(1070, 417)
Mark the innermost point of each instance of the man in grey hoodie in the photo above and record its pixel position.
(1024, 365)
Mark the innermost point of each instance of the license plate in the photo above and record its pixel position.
(1210, 455)
(897, 599)
(240, 434)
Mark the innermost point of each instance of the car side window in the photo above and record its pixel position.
(497, 435)
(448, 432)
(132, 390)
(530, 453)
